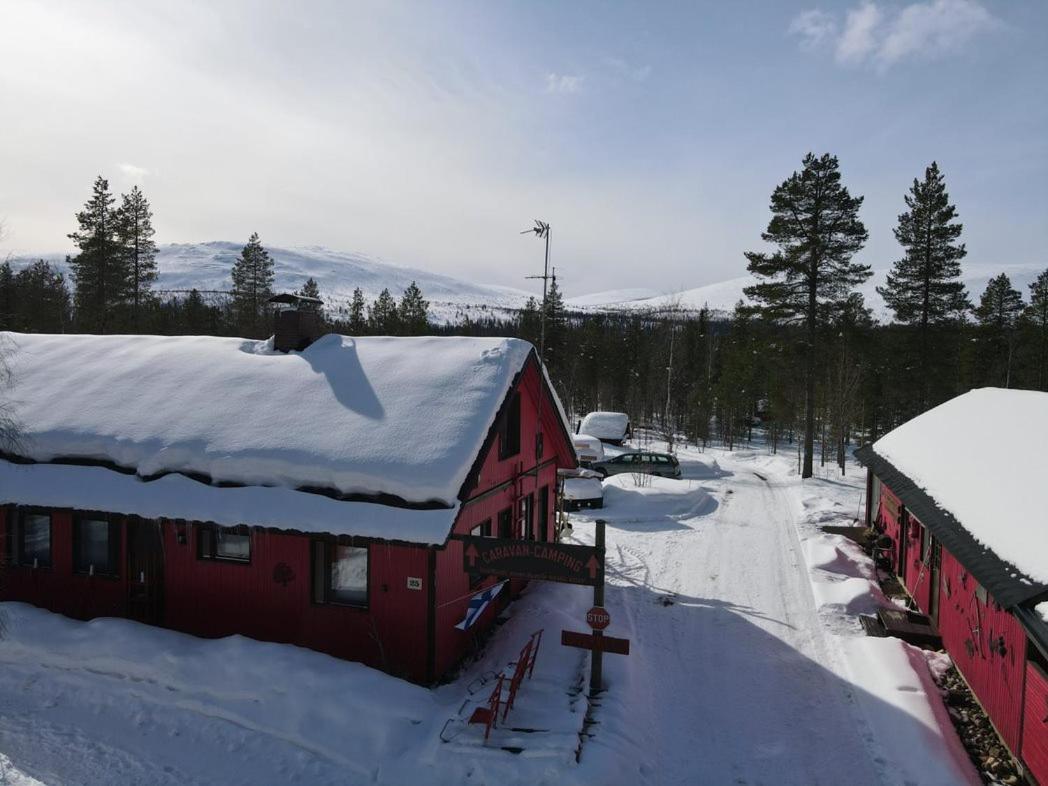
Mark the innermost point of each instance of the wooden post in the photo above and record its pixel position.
(597, 656)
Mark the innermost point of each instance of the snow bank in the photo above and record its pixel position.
(980, 456)
(400, 416)
(901, 704)
(179, 497)
(658, 497)
(605, 425)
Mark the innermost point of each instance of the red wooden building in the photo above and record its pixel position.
(220, 486)
(964, 508)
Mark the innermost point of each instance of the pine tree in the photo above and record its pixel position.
(252, 287)
(358, 313)
(101, 269)
(310, 289)
(413, 312)
(1036, 318)
(998, 313)
(382, 315)
(42, 303)
(815, 224)
(923, 288)
(134, 234)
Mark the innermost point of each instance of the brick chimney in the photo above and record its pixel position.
(297, 322)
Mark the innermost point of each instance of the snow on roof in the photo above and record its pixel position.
(980, 456)
(1042, 609)
(370, 415)
(178, 497)
(605, 425)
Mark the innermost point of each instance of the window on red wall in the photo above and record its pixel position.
(33, 540)
(509, 429)
(506, 523)
(543, 522)
(340, 574)
(96, 546)
(223, 544)
(527, 512)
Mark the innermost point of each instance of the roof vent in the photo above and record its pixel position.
(297, 322)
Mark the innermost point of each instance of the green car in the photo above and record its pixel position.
(662, 464)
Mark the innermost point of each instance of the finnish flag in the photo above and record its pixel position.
(478, 603)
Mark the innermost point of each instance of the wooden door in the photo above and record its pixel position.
(145, 571)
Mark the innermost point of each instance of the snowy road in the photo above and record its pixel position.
(747, 667)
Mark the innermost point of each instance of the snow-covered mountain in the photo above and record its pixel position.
(723, 295)
(206, 266)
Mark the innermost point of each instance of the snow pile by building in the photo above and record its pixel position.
(980, 457)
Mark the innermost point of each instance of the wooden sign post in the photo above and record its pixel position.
(598, 618)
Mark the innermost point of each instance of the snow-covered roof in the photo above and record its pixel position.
(178, 497)
(980, 457)
(605, 425)
(405, 417)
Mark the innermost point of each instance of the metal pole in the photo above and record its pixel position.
(545, 279)
(597, 656)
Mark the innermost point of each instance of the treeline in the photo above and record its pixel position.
(806, 361)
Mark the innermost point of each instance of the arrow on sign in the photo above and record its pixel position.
(471, 554)
(593, 566)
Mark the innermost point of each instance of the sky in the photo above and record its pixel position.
(649, 135)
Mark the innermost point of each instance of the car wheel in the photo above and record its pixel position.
(602, 472)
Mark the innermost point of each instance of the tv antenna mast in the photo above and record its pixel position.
(541, 229)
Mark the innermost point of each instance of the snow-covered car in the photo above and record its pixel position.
(582, 489)
(588, 449)
(610, 427)
(662, 464)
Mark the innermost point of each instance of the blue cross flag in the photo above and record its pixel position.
(478, 603)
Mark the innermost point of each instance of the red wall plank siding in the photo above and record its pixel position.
(60, 589)
(889, 521)
(1035, 723)
(218, 598)
(973, 630)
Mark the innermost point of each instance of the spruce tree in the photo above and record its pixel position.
(358, 313)
(528, 324)
(7, 296)
(1036, 318)
(310, 289)
(413, 311)
(998, 313)
(815, 224)
(252, 287)
(382, 315)
(923, 288)
(134, 233)
(42, 304)
(554, 312)
(101, 269)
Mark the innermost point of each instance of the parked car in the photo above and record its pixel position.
(582, 488)
(662, 464)
(588, 449)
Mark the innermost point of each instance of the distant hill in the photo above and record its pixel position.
(206, 266)
(722, 296)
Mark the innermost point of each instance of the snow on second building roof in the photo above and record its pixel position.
(371, 415)
(605, 425)
(980, 456)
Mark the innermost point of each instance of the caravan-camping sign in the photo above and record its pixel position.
(530, 559)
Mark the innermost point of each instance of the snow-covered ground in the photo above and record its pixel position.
(747, 666)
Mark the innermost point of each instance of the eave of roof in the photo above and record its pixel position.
(1002, 580)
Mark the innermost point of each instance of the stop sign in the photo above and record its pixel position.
(598, 618)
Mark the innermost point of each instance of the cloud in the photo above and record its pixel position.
(859, 40)
(814, 27)
(563, 83)
(627, 70)
(934, 29)
(882, 38)
(132, 172)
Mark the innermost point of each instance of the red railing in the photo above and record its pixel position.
(524, 666)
